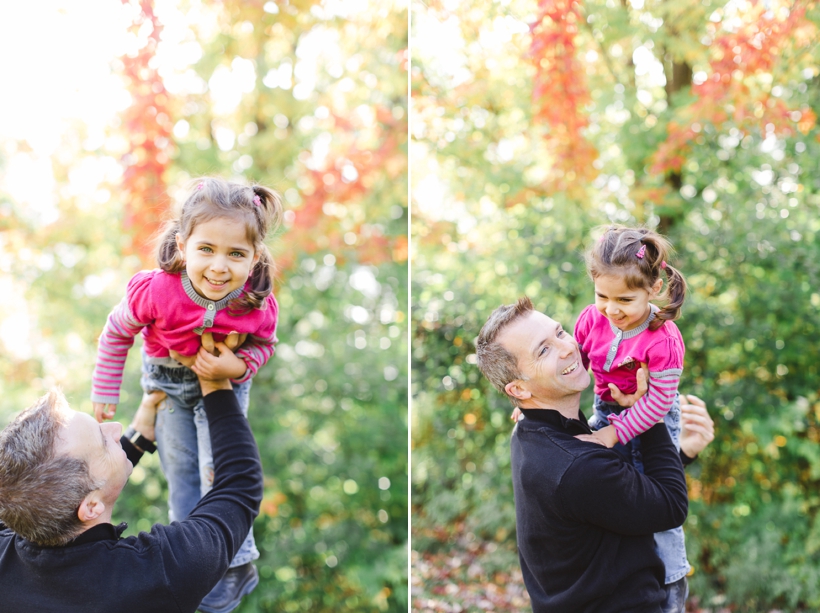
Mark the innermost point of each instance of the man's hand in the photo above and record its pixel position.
(606, 436)
(627, 400)
(697, 428)
(104, 411)
(209, 384)
(225, 365)
(146, 415)
(185, 360)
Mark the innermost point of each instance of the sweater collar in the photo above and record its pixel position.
(211, 305)
(636, 331)
(100, 532)
(554, 418)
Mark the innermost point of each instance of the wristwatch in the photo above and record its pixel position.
(139, 441)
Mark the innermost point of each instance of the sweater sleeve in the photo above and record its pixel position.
(603, 490)
(665, 361)
(582, 327)
(260, 345)
(198, 549)
(124, 323)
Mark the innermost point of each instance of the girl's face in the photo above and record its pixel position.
(625, 308)
(218, 257)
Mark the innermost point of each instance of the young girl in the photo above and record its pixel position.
(214, 284)
(623, 330)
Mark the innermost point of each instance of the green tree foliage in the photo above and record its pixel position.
(319, 113)
(504, 205)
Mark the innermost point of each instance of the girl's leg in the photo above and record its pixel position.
(176, 436)
(671, 545)
(248, 551)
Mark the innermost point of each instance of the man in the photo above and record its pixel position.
(585, 517)
(61, 473)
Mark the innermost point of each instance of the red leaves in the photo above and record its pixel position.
(560, 92)
(737, 87)
(148, 126)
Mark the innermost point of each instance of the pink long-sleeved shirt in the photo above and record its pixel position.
(169, 313)
(615, 357)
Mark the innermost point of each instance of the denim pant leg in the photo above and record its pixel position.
(248, 551)
(176, 435)
(669, 544)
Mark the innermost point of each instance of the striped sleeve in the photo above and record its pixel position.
(259, 346)
(650, 408)
(116, 339)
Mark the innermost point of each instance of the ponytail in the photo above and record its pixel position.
(675, 293)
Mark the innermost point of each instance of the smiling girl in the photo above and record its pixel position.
(619, 333)
(214, 285)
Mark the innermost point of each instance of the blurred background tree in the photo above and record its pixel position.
(116, 107)
(535, 122)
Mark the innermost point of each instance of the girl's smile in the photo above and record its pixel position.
(218, 257)
(626, 308)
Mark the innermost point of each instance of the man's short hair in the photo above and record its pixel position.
(41, 490)
(499, 365)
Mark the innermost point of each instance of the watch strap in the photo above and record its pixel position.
(139, 441)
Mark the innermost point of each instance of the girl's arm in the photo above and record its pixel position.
(116, 339)
(260, 344)
(665, 369)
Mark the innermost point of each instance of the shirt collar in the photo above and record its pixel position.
(204, 302)
(636, 331)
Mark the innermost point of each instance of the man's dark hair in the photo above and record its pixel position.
(499, 365)
(41, 490)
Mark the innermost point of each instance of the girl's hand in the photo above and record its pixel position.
(104, 411)
(627, 400)
(606, 436)
(517, 415)
(226, 365)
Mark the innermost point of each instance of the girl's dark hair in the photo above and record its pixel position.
(616, 254)
(258, 207)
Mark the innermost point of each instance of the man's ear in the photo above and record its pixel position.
(91, 507)
(518, 390)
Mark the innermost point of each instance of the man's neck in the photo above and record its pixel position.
(568, 406)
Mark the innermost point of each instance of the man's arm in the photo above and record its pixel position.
(602, 489)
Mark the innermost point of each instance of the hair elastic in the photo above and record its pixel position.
(663, 264)
(257, 200)
(200, 186)
(641, 251)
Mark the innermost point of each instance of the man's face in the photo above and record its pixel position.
(548, 357)
(99, 445)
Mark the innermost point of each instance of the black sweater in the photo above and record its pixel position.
(585, 518)
(167, 570)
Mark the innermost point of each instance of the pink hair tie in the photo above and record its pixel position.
(663, 264)
(641, 251)
(200, 186)
(257, 201)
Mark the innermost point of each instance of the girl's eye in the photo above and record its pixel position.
(237, 254)
(205, 249)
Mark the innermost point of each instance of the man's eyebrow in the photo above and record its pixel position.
(539, 344)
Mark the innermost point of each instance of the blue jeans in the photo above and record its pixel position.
(184, 442)
(670, 544)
